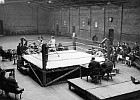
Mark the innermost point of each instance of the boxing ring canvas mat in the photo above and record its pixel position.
(60, 59)
(58, 62)
(119, 89)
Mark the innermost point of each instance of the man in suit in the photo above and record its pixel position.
(11, 80)
(19, 51)
(94, 69)
(136, 47)
(107, 67)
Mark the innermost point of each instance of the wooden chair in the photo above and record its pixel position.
(11, 88)
(108, 73)
(95, 75)
(6, 54)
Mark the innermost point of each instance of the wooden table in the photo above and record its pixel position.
(98, 59)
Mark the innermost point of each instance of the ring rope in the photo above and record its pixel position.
(61, 53)
(62, 43)
(76, 46)
(52, 53)
(59, 59)
(89, 45)
(83, 39)
(32, 39)
(66, 42)
(82, 48)
(89, 40)
(28, 40)
(68, 59)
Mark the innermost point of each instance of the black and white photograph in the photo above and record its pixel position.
(69, 49)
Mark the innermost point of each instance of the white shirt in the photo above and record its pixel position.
(52, 42)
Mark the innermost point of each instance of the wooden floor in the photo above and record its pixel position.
(119, 88)
(33, 91)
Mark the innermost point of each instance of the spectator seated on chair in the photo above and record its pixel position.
(7, 81)
(136, 51)
(95, 71)
(120, 53)
(107, 67)
(40, 41)
(6, 54)
(11, 80)
(2, 76)
(137, 55)
(9, 85)
(136, 47)
(130, 58)
(60, 47)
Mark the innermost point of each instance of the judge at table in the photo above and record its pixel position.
(93, 66)
(107, 67)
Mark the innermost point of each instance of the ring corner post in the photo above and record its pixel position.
(44, 62)
(22, 44)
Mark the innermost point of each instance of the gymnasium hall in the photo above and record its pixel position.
(69, 50)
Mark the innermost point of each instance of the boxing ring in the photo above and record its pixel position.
(49, 67)
(65, 64)
(65, 58)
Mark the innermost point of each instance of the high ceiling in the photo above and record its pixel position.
(67, 3)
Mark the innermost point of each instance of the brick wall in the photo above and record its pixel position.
(23, 18)
(88, 21)
(131, 25)
(88, 18)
